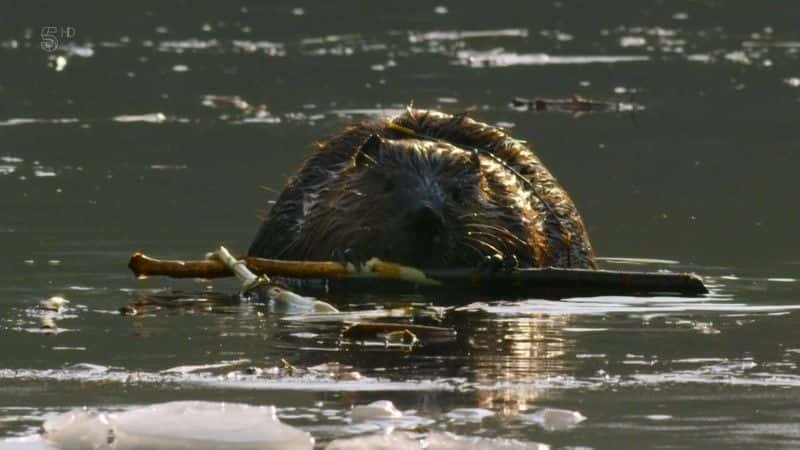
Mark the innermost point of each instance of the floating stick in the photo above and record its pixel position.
(143, 265)
(547, 282)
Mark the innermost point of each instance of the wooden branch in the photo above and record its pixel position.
(578, 280)
(143, 265)
(545, 282)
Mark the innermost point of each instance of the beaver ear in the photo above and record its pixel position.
(368, 152)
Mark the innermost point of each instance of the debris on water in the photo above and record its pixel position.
(397, 333)
(705, 327)
(147, 118)
(349, 376)
(87, 367)
(381, 409)
(199, 367)
(288, 366)
(782, 279)
(55, 303)
(738, 56)
(294, 302)
(226, 102)
(575, 105)
(553, 419)
(353, 316)
(403, 337)
(253, 370)
(49, 326)
(58, 62)
(128, 310)
(434, 440)
(187, 424)
(469, 414)
(336, 371)
(632, 41)
(328, 367)
(169, 166)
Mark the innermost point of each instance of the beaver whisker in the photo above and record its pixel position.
(471, 247)
(496, 239)
(494, 249)
(504, 231)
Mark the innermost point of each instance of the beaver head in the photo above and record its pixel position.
(419, 202)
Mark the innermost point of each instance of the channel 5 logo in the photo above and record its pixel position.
(51, 35)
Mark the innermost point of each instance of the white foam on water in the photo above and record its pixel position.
(456, 35)
(501, 58)
(147, 118)
(310, 383)
(29, 121)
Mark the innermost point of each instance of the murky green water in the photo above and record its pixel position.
(153, 127)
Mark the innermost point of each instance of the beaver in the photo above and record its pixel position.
(427, 189)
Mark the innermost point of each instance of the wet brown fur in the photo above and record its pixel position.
(496, 197)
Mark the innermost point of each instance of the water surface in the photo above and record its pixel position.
(167, 128)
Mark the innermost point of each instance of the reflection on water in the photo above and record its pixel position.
(511, 353)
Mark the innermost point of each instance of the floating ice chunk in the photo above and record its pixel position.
(398, 441)
(32, 442)
(191, 424)
(59, 63)
(41, 173)
(430, 441)
(738, 56)
(382, 409)
(87, 367)
(552, 419)
(78, 50)
(469, 414)
(150, 118)
(632, 41)
(55, 303)
(78, 428)
(195, 368)
(294, 303)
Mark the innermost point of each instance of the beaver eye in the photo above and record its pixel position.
(388, 186)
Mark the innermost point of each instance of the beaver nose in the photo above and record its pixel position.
(426, 221)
